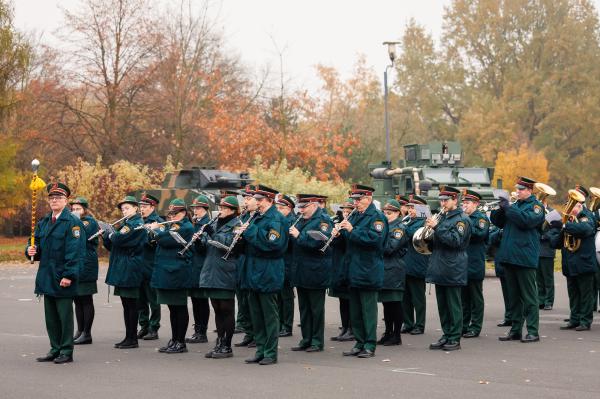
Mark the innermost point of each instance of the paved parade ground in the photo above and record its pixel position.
(564, 364)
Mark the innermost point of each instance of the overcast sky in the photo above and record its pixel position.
(330, 32)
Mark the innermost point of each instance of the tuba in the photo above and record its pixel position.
(543, 191)
(571, 243)
(424, 236)
(594, 207)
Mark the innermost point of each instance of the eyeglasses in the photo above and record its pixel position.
(56, 198)
(388, 212)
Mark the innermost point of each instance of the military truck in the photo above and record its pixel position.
(187, 184)
(425, 168)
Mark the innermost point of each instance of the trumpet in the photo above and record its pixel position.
(571, 243)
(237, 237)
(100, 231)
(424, 235)
(336, 227)
(198, 234)
(488, 206)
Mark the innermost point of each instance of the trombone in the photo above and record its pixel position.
(100, 231)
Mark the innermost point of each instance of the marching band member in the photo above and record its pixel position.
(172, 273)
(88, 275)
(394, 275)
(218, 275)
(125, 266)
(285, 205)
(313, 271)
(518, 254)
(414, 304)
(262, 272)
(448, 266)
(472, 294)
(365, 233)
(200, 309)
(545, 270)
(495, 237)
(148, 307)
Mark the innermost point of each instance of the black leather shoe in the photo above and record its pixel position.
(541, 307)
(547, 307)
(118, 344)
(142, 333)
(569, 326)
(84, 339)
(253, 360)
(77, 335)
(163, 349)
(405, 330)
(530, 338)
(567, 320)
(581, 327)
(416, 331)
(352, 352)
(244, 342)
(393, 340)
(267, 361)
(62, 359)
(366, 353)
(48, 358)
(238, 330)
(470, 334)
(313, 349)
(177, 347)
(285, 333)
(451, 346)
(151, 336)
(504, 323)
(252, 344)
(129, 345)
(439, 344)
(510, 336)
(298, 348)
(347, 336)
(384, 338)
(222, 353)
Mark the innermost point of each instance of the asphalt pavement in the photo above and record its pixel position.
(564, 364)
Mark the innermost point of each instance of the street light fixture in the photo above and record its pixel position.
(391, 47)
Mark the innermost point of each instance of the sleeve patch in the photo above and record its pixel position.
(378, 225)
(175, 227)
(584, 219)
(537, 209)
(125, 230)
(76, 231)
(460, 226)
(85, 223)
(398, 233)
(273, 235)
(324, 227)
(482, 223)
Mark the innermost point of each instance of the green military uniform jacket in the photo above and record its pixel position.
(520, 222)
(480, 227)
(171, 270)
(199, 251)
(266, 240)
(61, 251)
(126, 248)
(150, 247)
(394, 273)
(288, 258)
(218, 273)
(313, 267)
(583, 260)
(448, 263)
(364, 248)
(89, 267)
(416, 263)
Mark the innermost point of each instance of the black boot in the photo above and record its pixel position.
(199, 335)
(394, 339)
(83, 339)
(210, 354)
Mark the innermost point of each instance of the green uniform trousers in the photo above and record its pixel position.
(414, 304)
(243, 320)
(581, 298)
(285, 300)
(597, 291)
(311, 303)
(450, 311)
(522, 298)
(504, 286)
(363, 317)
(472, 306)
(59, 324)
(545, 281)
(265, 321)
(148, 307)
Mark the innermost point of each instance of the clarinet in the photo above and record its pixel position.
(237, 237)
(296, 221)
(197, 235)
(330, 240)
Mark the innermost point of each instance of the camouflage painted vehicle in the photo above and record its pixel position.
(425, 168)
(189, 183)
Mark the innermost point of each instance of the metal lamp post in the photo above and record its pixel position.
(392, 54)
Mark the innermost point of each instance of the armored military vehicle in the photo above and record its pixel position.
(189, 183)
(425, 168)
